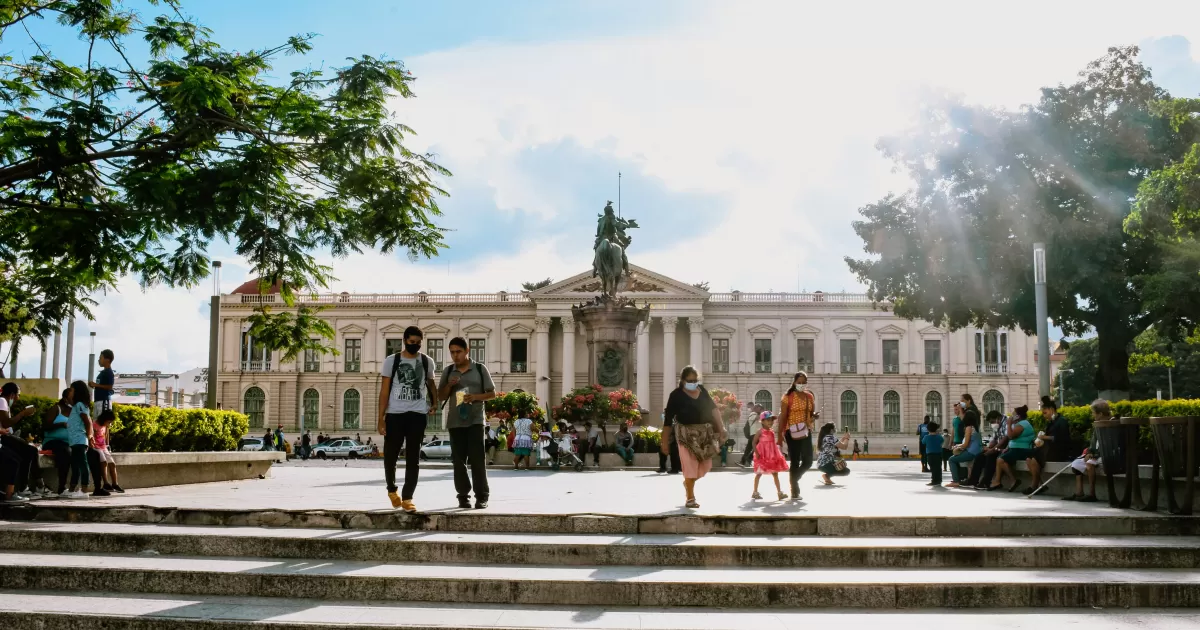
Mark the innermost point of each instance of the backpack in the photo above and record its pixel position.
(425, 363)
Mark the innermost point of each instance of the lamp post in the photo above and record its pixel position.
(92, 358)
(1043, 342)
(214, 330)
(1062, 375)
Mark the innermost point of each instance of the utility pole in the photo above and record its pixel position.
(1043, 342)
(92, 359)
(214, 333)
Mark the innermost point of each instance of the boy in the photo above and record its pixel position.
(947, 449)
(933, 452)
(102, 388)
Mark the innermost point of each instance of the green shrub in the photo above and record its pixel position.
(146, 429)
(1080, 418)
(33, 424)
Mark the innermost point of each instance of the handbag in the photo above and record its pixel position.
(840, 465)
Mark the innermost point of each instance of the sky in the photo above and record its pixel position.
(744, 132)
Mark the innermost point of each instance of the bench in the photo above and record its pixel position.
(149, 470)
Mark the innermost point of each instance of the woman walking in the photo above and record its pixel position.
(691, 418)
(798, 412)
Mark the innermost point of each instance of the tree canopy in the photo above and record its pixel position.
(1153, 353)
(116, 163)
(957, 248)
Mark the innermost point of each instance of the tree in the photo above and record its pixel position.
(703, 286)
(534, 286)
(1151, 354)
(114, 165)
(1082, 361)
(1168, 200)
(957, 248)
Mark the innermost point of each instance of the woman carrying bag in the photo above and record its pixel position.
(797, 415)
(692, 419)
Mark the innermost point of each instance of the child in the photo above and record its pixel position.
(947, 449)
(79, 437)
(933, 453)
(108, 466)
(768, 459)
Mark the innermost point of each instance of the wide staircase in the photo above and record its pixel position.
(74, 567)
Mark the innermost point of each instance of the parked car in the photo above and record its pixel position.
(436, 449)
(341, 448)
(250, 444)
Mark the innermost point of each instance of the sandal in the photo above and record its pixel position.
(1016, 485)
(691, 505)
(756, 496)
(783, 496)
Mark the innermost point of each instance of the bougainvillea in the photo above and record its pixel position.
(593, 404)
(727, 403)
(507, 406)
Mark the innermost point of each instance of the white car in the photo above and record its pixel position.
(341, 448)
(250, 444)
(436, 449)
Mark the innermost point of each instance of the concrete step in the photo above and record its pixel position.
(602, 586)
(655, 550)
(37, 610)
(1118, 523)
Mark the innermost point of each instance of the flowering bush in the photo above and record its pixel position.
(514, 405)
(593, 404)
(727, 403)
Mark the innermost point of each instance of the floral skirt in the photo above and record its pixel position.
(698, 444)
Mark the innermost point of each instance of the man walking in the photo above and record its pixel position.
(407, 396)
(750, 431)
(465, 386)
(922, 432)
(305, 444)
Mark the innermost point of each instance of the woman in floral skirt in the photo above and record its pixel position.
(768, 459)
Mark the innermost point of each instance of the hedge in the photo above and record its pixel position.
(146, 429)
(1080, 418)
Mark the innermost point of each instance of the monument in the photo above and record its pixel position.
(610, 322)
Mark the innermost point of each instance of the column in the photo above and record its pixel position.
(70, 348)
(54, 364)
(45, 358)
(541, 326)
(568, 354)
(643, 364)
(670, 374)
(696, 356)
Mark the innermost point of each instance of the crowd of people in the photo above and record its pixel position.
(74, 433)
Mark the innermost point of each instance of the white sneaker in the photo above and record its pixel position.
(14, 499)
(48, 493)
(24, 494)
(76, 495)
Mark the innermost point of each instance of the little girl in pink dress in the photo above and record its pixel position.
(768, 459)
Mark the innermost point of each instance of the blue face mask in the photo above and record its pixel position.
(691, 387)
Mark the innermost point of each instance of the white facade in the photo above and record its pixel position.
(871, 371)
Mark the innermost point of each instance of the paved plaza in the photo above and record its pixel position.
(890, 488)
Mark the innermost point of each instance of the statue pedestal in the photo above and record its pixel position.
(611, 328)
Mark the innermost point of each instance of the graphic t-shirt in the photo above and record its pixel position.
(408, 393)
(105, 377)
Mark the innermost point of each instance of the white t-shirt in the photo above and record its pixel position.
(408, 386)
(4, 407)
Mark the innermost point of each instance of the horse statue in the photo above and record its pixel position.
(610, 262)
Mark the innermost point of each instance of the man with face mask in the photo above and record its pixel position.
(407, 396)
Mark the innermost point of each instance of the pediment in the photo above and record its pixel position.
(891, 329)
(849, 329)
(931, 330)
(353, 329)
(641, 282)
(477, 329)
(722, 329)
(393, 329)
(518, 329)
(763, 329)
(435, 329)
(805, 329)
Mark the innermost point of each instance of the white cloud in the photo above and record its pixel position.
(773, 106)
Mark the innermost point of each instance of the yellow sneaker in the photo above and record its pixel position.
(395, 499)
(408, 506)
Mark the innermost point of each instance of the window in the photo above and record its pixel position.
(351, 404)
(255, 356)
(763, 397)
(850, 410)
(805, 354)
(312, 408)
(478, 348)
(519, 355)
(891, 356)
(933, 356)
(849, 355)
(254, 404)
(991, 352)
(762, 356)
(933, 406)
(992, 401)
(720, 356)
(433, 347)
(353, 355)
(392, 346)
(312, 361)
(891, 412)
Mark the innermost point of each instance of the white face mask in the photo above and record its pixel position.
(995, 426)
(801, 387)
(691, 387)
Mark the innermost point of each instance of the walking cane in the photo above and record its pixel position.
(1047, 482)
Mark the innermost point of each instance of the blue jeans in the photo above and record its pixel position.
(626, 454)
(962, 458)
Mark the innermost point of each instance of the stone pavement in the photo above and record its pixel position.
(873, 489)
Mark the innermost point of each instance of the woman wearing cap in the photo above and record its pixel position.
(693, 421)
(797, 414)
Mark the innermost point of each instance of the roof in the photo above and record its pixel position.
(251, 287)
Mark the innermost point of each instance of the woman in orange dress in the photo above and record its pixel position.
(796, 427)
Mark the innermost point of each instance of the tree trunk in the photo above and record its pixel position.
(1112, 372)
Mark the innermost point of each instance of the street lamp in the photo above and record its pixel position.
(1062, 386)
(214, 330)
(92, 357)
(1043, 342)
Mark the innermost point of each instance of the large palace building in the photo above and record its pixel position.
(872, 372)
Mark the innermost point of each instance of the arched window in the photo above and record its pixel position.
(850, 410)
(891, 412)
(763, 397)
(312, 408)
(351, 405)
(993, 400)
(933, 406)
(254, 404)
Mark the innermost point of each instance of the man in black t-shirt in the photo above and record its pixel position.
(1058, 433)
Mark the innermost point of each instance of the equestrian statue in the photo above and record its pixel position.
(610, 263)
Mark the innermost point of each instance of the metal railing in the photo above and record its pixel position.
(519, 367)
(720, 368)
(933, 368)
(891, 369)
(312, 367)
(353, 366)
(762, 368)
(805, 366)
(849, 368)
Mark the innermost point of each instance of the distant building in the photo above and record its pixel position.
(872, 372)
(185, 391)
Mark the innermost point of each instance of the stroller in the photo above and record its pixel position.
(562, 451)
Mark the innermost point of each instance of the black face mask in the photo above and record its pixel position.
(412, 348)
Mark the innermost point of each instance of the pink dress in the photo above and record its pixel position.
(768, 459)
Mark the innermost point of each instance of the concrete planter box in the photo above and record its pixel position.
(149, 470)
